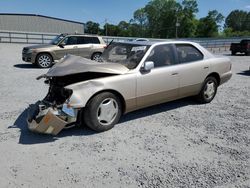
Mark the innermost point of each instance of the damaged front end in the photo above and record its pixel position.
(52, 114)
(57, 111)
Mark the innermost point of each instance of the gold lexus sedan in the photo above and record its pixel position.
(127, 77)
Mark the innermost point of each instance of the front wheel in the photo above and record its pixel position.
(102, 112)
(44, 60)
(208, 90)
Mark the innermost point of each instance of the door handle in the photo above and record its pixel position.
(174, 73)
(206, 67)
(75, 47)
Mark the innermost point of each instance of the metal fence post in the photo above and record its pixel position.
(42, 39)
(27, 39)
(10, 36)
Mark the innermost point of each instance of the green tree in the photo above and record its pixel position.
(112, 30)
(209, 25)
(124, 29)
(134, 29)
(238, 20)
(188, 22)
(141, 18)
(92, 27)
(161, 17)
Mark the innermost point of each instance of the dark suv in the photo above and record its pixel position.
(242, 47)
(44, 55)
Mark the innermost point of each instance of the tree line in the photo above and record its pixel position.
(171, 19)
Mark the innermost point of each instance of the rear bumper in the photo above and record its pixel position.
(225, 77)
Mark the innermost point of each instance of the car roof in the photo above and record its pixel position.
(79, 34)
(152, 42)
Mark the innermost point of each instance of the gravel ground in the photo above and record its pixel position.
(177, 144)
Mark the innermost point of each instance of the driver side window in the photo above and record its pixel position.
(70, 40)
(162, 55)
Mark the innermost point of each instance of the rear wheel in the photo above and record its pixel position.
(208, 90)
(96, 56)
(102, 112)
(247, 53)
(44, 60)
(233, 53)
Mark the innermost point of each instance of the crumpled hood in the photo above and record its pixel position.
(75, 64)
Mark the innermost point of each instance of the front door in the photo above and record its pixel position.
(162, 82)
(85, 45)
(69, 46)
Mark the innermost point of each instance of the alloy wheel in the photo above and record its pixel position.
(107, 111)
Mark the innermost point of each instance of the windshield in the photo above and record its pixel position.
(128, 55)
(57, 39)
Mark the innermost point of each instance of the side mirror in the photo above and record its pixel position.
(148, 65)
(61, 45)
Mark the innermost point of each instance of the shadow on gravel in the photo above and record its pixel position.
(28, 137)
(26, 66)
(244, 73)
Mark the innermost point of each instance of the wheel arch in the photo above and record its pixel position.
(118, 94)
(50, 54)
(96, 52)
(216, 76)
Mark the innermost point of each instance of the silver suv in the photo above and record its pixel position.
(45, 55)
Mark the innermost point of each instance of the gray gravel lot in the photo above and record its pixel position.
(177, 144)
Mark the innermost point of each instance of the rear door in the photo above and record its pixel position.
(193, 69)
(162, 82)
(86, 45)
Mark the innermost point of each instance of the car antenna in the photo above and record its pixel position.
(110, 43)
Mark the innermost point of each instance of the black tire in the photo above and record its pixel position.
(208, 90)
(44, 60)
(102, 112)
(233, 53)
(96, 56)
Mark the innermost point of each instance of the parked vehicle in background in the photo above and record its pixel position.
(141, 39)
(242, 47)
(132, 75)
(45, 55)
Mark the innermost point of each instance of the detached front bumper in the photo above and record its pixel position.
(47, 120)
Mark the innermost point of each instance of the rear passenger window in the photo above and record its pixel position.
(188, 53)
(88, 40)
(80, 40)
(95, 40)
(91, 40)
